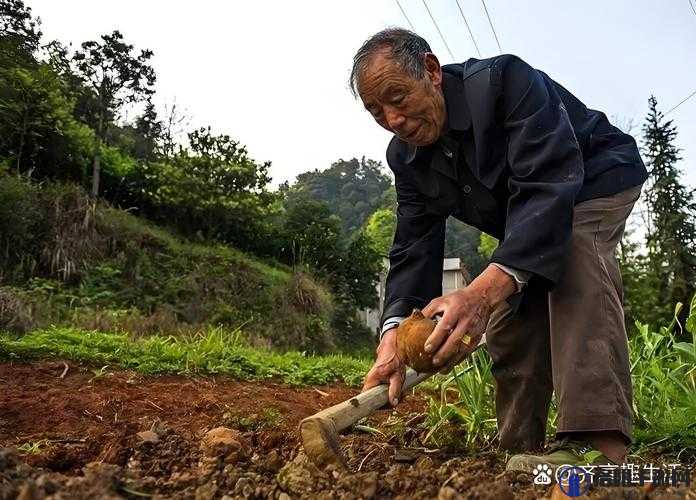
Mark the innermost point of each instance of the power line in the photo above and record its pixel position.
(682, 102)
(468, 28)
(492, 28)
(404, 13)
(692, 7)
(438, 30)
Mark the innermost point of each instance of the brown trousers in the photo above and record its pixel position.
(571, 340)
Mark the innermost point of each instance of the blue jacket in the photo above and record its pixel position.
(518, 152)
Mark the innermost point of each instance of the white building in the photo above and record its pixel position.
(454, 276)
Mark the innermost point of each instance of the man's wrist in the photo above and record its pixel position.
(390, 324)
(494, 285)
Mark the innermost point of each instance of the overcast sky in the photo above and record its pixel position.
(273, 74)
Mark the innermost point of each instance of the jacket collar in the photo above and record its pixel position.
(458, 117)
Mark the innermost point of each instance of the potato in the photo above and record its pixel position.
(411, 335)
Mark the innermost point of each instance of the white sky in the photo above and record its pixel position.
(273, 74)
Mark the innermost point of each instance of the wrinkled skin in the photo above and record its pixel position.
(412, 109)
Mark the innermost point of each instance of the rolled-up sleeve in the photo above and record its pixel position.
(415, 258)
(546, 174)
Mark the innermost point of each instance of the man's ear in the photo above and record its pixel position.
(433, 69)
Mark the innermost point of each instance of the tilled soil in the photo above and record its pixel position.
(69, 431)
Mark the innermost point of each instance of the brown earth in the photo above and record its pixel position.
(103, 434)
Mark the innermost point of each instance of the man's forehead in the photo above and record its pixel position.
(380, 69)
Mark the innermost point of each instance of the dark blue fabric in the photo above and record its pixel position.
(518, 152)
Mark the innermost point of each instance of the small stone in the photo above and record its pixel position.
(424, 462)
(206, 491)
(448, 493)
(244, 487)
(407, 455)
(148, 437)
(273, 462)
(222, 441)
(297, 477)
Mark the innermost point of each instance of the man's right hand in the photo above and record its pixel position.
(388, 368)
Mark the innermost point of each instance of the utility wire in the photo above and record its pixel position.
(692, 7)
(468, 28)
(682, 102)
(404, 13)
(438, 30)
(492, 28)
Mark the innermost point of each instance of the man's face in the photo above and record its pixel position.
(413, 109)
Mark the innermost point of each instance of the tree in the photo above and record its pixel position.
(117, 76)
(380, 229)
(213, 188)
(20, 34)
(671, 237)
(352, 189)
(641, 286)
(38, 133)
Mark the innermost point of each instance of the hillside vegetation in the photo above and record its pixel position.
(67, 260)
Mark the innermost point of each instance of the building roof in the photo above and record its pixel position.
(453, 264)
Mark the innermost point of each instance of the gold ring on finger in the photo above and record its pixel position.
(466, 339)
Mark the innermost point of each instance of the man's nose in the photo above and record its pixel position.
(394, 118)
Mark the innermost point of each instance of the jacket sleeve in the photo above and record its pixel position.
(547, 173)
(415, 258)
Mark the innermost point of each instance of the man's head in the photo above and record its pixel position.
(399, 81)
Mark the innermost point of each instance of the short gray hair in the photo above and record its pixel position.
(406, 48)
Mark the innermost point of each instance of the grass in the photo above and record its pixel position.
(217, 351)
(663, 371)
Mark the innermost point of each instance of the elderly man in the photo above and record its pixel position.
(503, 147)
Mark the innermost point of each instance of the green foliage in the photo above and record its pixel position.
(51, 236)
(77, 263)
(469, 420)
(642, 301)
(216, 351)
(312, 237)
(487, 245)
(352, 190)
(664, 382)
(38, 133)
(212, 188)
(20, 33)
(116, 76)
(671, 237)
(380, 229)
(313, 234)
(20, 219)
(663, 371)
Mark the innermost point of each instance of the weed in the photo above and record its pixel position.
(469, 419)
(34, 447)
(663, 371)
(267, 419)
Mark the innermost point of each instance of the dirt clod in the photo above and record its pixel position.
(223, 442)
(148, 437)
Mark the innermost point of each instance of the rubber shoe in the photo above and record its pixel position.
(564, 452)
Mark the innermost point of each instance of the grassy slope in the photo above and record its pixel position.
(130, 275)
